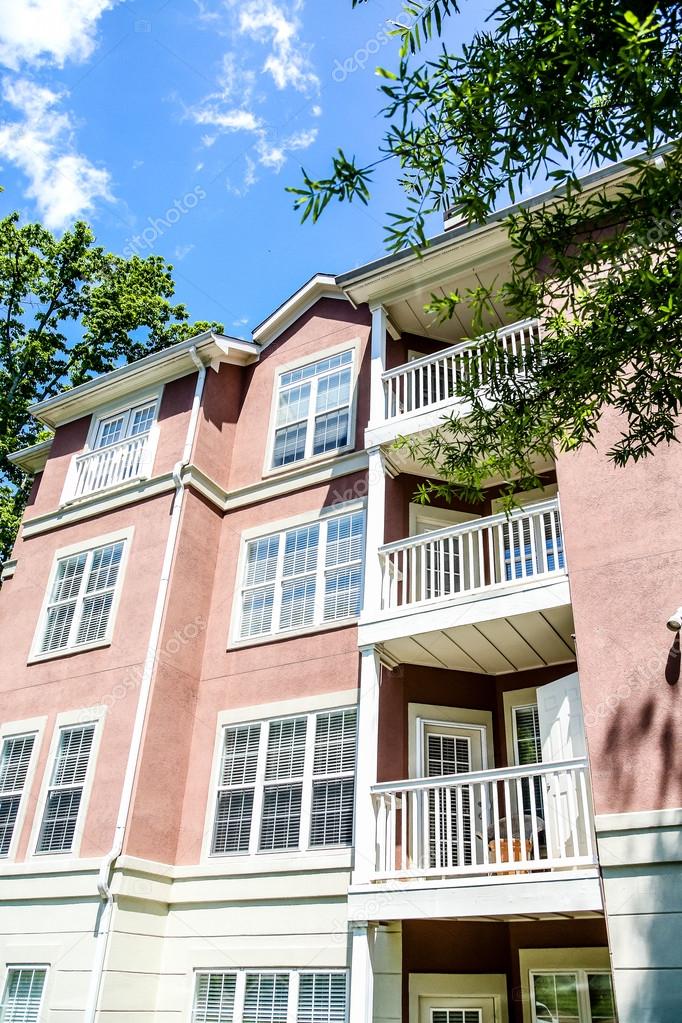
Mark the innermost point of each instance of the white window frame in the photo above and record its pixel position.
(511, 700)
(82, 547)
(240, 974)
(116, 408)
(281, 527)
(9, 967)
(10, 729)
(557, 960)
(352, 345)
(68, 719)
(267, 856)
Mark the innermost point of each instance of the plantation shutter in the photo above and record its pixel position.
(528, 743)
(266, 998)
(258, 593)
(447, 755)
(285, 762)
(214, 998)
(23, 995)
(343, 566)
(322, 998)
(16, 757)
(80, 606)
(63, 602)
(456, 1016)
(333, 778)
(99, 593)
(298, 585)
(234, 811)
(64, 796)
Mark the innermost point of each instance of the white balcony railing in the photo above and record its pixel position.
(515, 820)
(109, 466)
(435, 380)
(480, 555)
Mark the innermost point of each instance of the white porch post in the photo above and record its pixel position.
(366, 774)
(362, 975)
(377, 403)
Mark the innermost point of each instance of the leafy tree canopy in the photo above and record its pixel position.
(549, 90)
(69, 310)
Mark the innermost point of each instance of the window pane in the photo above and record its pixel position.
(261, 560)
(300, 550)
(281, 824)
(57, 627)
(106, 562)
(266, 998)
(232, 828)
(257, 611)
(240, 755)
(71, 765)
(214, 998)
(59, 821)
(23, 993)
(333, 391)
(322, 998)
(331, 431)
(95, 618)
(529, 749)
(335, 740)
(344, 539)
(110, 432)
(556, 998)
(68, 579)
(600, 991)
(342, 593)
(289, 444)
(16, 756)
(286, 749)
(142, 420)
(332, 812)
(293, 405)
(298, 603)
(9, 808)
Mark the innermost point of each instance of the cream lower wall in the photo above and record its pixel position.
(641, 860)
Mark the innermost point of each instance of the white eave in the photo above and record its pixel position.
(33, 458)
(319, 286)
(169, 364)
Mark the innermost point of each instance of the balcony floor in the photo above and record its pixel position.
(492, 633)
(552, 895)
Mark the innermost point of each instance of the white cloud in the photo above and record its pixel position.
(48, 31)
(227, 120)
(63, 183)
(288, 61)
(182, 250)
(273, 154)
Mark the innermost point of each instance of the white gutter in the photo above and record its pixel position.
(107, 865)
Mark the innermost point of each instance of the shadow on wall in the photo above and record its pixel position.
(646, 718)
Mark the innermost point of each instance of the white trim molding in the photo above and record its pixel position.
(474, 987)
(556, 960)
(17, 729)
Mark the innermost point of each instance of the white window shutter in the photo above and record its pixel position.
(23, 995)
(322, 998)
(266, 999)
(214, 998)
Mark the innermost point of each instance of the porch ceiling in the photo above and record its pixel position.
(495, 647)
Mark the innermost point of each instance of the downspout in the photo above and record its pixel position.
(108, 863)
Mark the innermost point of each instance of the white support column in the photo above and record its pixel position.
(361, 975)
(366, 773)
(377, 403)
(376, 511)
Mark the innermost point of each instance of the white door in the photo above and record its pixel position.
(450, 749)
(562, 737)
(444, 573)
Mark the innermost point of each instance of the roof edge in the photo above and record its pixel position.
(31, 459)
(318, 286)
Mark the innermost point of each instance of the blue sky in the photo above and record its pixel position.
(173, 127)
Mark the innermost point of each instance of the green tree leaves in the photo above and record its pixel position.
(69, 310)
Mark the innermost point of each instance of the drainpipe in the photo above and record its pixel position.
(107, 865)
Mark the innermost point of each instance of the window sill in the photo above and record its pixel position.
(304, 463)
(337, 857)
(279, 637)
(52, 655)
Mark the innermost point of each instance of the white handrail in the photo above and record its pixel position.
(108, 466)
(507, 821)
(435, 380)
(482, 554)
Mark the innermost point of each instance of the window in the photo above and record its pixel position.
(303, 576)
(572, 996)
(456, 1016)
(23, 994)
(81, 598)
(133, 422)
(65, 793)
(286, 784)
(14, 764)
(243, 996)
(313, 409)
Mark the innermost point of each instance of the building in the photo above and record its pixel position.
(280, 744)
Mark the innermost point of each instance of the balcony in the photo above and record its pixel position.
(109, 466)
(510, 841)
(418, 394)
(488, 595)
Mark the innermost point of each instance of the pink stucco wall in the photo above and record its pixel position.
(625, 569)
